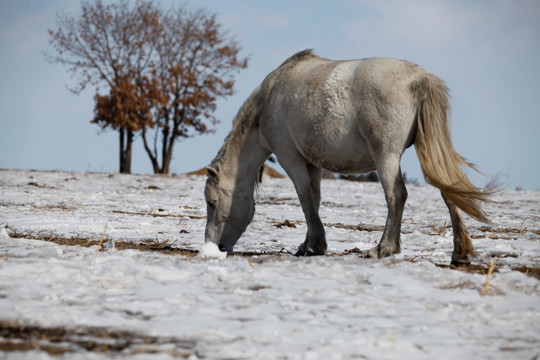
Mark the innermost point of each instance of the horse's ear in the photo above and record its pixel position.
(212, 173)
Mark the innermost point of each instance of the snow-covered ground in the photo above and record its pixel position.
(152, 297)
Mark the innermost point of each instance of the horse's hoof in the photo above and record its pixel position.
(312, 252)
(309, 251)
(300, 253)
(373, 253)
(459, 261)
(379, 252)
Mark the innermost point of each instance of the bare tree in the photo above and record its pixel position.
(163, 71)
(195, 65)
(105, 46)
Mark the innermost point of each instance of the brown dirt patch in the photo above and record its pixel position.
(149, 245)
(271, 172)
(55, 341)
(534, 272)
(504, 232)
(200, 172)
(165, 248)
(470, 268)
(361, 253)
(273, 200)
(359, 227)
(157, 214)
(483, 269)
(268, 171)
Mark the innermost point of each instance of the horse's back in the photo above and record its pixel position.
(331, 110)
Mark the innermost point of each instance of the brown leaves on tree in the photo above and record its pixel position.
(128, 105)
(163, 71)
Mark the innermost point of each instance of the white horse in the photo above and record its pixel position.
(346, 117)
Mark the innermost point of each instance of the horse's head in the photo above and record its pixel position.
(229, 210)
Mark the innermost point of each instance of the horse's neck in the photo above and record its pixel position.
(243, 159)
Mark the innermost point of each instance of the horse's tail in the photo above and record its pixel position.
(441, 164)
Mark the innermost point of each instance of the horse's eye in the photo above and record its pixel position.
(211, 204)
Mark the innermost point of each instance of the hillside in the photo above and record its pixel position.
(147, 294)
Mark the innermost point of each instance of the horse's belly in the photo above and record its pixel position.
(346, 154)
(343, 165)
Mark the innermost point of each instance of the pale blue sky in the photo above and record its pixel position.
(488, 52)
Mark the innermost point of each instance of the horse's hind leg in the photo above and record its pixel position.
(396, 194)
(463, 247)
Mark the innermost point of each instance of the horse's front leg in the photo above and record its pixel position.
(307, 179)
(315, 243)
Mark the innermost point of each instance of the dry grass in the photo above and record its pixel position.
(488, 278)
(100, 244)
(441, 230)
(287, 223)
(460, 285)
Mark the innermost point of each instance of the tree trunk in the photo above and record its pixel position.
(167, 144)
(153, 158)
(168, 156)
(126, 142)
(167, 149)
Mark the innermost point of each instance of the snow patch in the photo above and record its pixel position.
(4, 235)
(211, 251)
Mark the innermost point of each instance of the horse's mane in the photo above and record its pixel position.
(244, 119)
(248, 115)
(299, 56)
